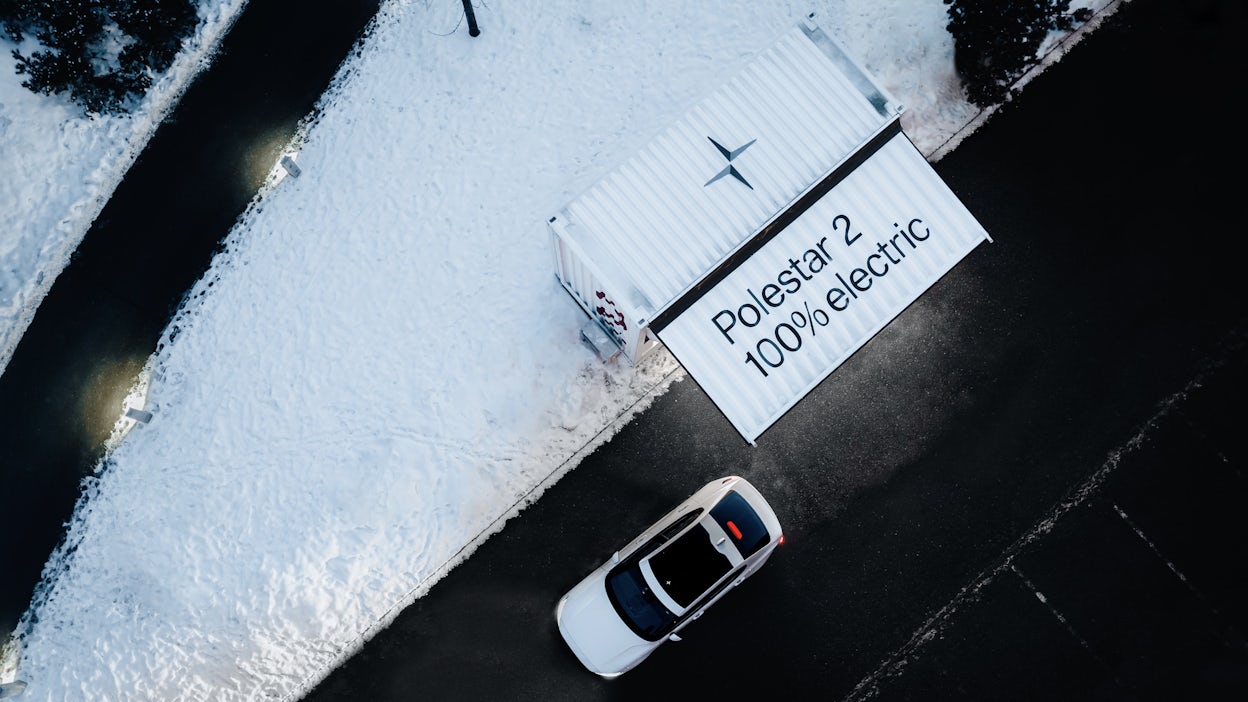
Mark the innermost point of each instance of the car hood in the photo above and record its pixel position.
(595, 632)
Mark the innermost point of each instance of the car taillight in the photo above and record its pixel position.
(781, 540)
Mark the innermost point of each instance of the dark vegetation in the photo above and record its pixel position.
(996, 41)
(103, 53)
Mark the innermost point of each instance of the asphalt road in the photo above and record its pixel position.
(1026, 487)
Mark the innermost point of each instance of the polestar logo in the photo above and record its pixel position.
(731, 169)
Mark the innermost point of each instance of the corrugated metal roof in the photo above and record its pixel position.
(663, 219)
(790, 314)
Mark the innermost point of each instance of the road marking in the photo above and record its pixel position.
(894, 664)
(1231, 636)
(1070, 628)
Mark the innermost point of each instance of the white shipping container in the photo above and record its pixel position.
(766, 235)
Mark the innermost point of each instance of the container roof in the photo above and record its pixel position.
(700, 190)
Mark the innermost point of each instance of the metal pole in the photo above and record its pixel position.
(473, 30)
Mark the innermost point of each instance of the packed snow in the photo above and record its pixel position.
(380, 369)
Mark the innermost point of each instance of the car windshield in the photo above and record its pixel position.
(739, 520)
(636, 603)
(689, 566)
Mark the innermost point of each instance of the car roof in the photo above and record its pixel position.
(690, 564)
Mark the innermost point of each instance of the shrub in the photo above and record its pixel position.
(103, 53)
(996, 41)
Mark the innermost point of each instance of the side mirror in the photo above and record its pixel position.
(615, 558)
(674, 637)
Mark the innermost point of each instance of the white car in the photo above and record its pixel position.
(666, 577)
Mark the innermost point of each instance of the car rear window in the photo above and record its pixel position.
(742, 524)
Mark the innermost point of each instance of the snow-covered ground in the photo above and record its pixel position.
(380, 369)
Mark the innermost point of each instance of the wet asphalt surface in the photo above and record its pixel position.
(1028, 486)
